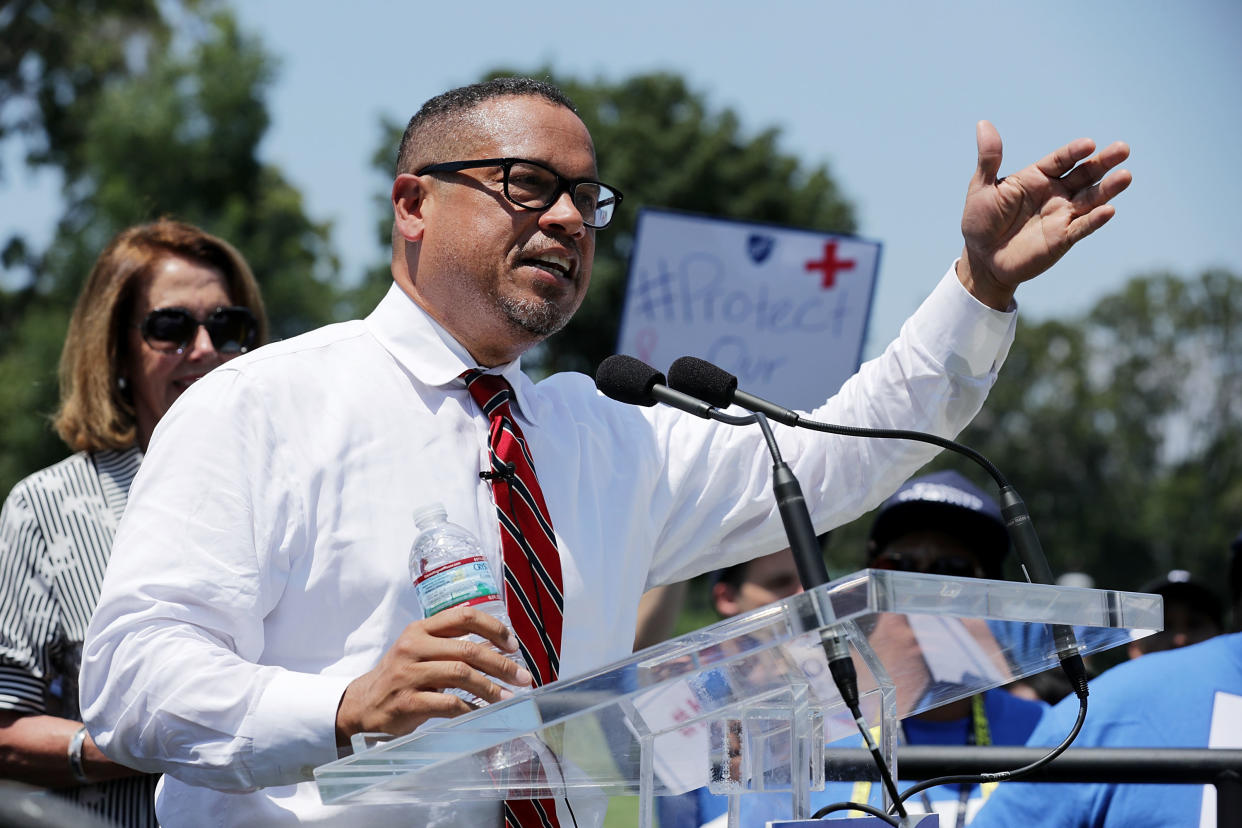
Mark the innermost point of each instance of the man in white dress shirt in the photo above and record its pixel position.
(257, 611)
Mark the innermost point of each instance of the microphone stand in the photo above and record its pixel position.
(632, 381)
(718, 387)
(804, 544)
(1017, 518)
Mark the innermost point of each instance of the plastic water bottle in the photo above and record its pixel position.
(449, 570)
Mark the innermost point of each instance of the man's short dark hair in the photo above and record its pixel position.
(731, 575)
(427, 127)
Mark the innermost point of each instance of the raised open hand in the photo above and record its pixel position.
(1018, 226)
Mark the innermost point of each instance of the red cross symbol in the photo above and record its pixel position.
(830, 264)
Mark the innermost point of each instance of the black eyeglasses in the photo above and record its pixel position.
(232, 330)
(533, 186)
(957, 566)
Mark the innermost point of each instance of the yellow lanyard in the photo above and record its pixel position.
(980, 733)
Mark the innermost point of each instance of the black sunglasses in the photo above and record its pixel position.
(534, 186)
(954, 565)
(233, 330)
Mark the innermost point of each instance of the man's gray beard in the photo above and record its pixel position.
(535, 316)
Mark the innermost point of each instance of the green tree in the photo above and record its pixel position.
(182, 139)
(55, 61)
(1122, 432)
(664, 146)
(1120, 429)
(175, 134)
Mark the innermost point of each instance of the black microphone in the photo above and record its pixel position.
(629, 380)
(506, 472)
(717, 386)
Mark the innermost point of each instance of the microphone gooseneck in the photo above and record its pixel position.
(710, 382)
(627, 379)
(796, 517)
(804, 544)
(703, 379)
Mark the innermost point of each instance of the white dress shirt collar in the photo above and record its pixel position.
(429, 352)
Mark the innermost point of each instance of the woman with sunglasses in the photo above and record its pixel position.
(164, 304)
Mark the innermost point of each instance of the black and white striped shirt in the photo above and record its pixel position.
(56, 532)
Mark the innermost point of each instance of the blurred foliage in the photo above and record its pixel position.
(662, 145)
(1121, 429)
(145, 110)
(28, 376)
(57, 58)
(1123, 432)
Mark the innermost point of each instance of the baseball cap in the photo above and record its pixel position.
(949, 502)
(1184, 588)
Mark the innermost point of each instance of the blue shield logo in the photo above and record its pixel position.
(759, 247)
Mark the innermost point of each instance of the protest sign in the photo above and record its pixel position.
(784, 309)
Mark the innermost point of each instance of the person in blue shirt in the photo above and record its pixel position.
(939, 523)
(1192, 613)
(1187, 697)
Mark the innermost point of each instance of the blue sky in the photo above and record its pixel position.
(886, 93)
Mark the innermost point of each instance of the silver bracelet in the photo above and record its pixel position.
(75, 756)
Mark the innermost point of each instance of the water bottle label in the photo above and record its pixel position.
(468, 581)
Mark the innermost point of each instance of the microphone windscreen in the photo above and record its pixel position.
(627, 379)
(699, 378)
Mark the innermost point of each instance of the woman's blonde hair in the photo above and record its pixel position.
(95, 413)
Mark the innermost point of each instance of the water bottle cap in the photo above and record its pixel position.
(428, 514)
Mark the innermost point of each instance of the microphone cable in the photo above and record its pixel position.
(713, 384)
(1003, 776)
(797, 526)
(629, 380)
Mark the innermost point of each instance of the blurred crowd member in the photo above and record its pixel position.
(1192, 613)
(943, 524)
(938, 523)
(164, 304)
(753, 584)
(1188, 697)
(735, 589)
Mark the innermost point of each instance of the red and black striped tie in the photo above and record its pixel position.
(532, 564)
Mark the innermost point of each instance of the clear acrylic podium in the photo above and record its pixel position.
(745, 705)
